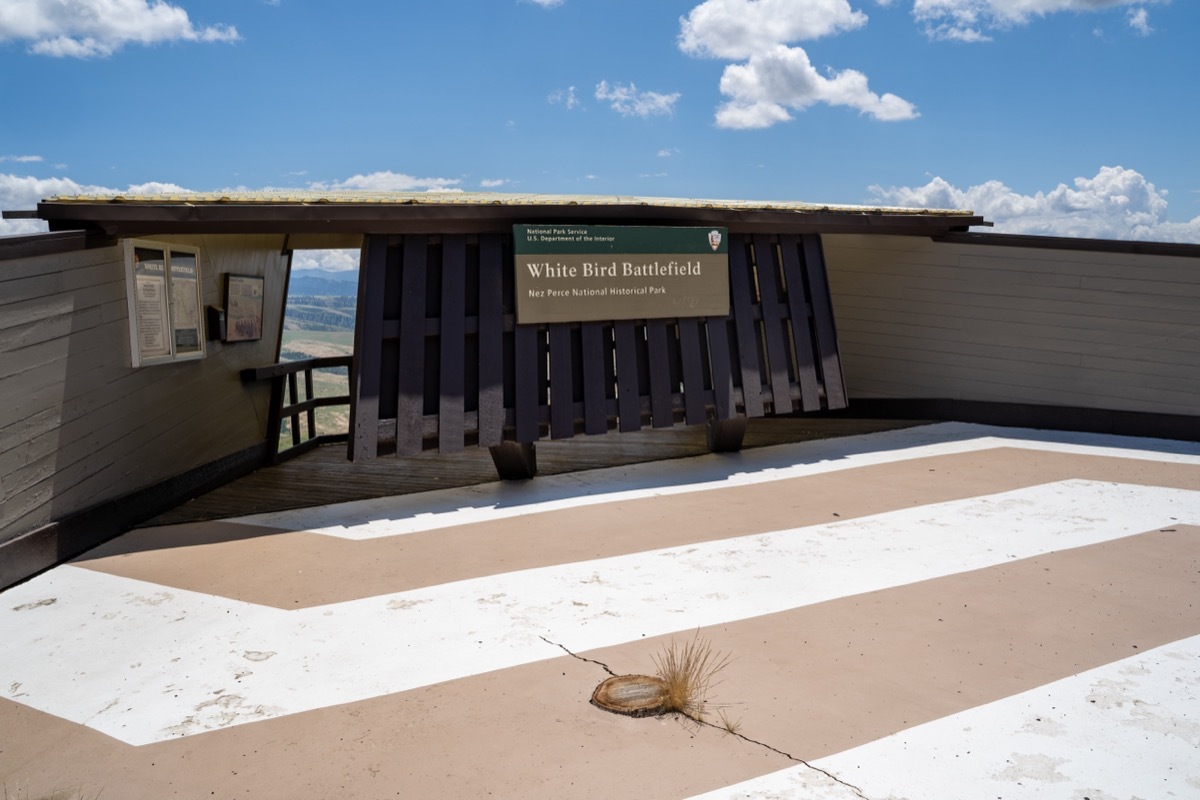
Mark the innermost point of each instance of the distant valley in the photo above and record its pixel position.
(320, 300)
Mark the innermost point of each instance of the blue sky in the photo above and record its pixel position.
(1066, 117)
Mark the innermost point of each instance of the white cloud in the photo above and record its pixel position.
(737, 29)
(967, 20)
(90, 28)
(775, 78)
(628, 101)
(1118, 203)
(492, 183)
(20, 193)
(546, 3)
(1139, 20)
(23, 193)
(22, 159)
(331, 260)
(762, 91)
(386, 181)
(565, 97)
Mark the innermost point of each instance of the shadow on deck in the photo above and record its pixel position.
(324, 476)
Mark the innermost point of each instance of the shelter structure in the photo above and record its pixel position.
(141, 337)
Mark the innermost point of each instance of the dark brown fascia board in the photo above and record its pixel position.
(33, 245)
(1071, 243)
(144, 219)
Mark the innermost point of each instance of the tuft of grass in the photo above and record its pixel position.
(727, 724)
(688, 671)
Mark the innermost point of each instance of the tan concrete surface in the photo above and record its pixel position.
(803, 683)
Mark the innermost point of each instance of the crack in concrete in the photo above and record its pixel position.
(600, 664)
(725, 729)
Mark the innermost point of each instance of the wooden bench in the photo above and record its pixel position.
(441, 363)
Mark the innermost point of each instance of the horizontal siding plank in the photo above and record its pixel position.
(48, 329)
(111, 258)
(950, 348)
(30, 311)
(956, 317)
(1041, 342)
(964, 292)
(965, 304)
(893, 255)
(1037, 384)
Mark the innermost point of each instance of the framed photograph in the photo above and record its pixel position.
(243, 308)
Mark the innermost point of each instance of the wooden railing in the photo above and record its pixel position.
(290, 407)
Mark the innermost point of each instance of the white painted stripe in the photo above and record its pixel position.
(394, 516)
(143, 663)
(1126, 729)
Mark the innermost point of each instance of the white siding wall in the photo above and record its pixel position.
(78, 426)
(920, 319)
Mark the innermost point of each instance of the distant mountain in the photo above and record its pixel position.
(323, 283)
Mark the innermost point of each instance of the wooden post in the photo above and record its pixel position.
(515, 461)
(725, 435)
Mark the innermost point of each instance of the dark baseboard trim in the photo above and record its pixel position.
(1026, 415)
(31, 553)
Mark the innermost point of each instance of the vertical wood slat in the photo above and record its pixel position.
(798, 305)
(491, 340)
(831, 367)
(275, 421)
(562, 383)
(747, 336)
(628, 400)
(293, 398)
(368, 350)
(658, 348)
(308, 395)
(767, 268)
(410, 403)
(595, 413)
(661, 364)
(452, 344)
(724, 404)
(528, 387)
(690, 354)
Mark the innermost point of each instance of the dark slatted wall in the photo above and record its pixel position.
(442, 364)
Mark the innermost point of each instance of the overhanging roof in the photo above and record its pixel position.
(467, 212)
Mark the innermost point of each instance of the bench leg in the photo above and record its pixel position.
(515, 461)
(725, 435)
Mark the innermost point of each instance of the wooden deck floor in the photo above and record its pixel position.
(324, 476)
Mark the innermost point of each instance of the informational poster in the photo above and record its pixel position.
(153, 321)
(185, 302)
(165, 319)
(243, 308)
(578, 273)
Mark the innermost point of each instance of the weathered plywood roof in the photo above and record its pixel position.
(400, 212)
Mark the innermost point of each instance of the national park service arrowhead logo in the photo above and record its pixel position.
(714, 240)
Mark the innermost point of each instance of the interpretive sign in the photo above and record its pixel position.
(185, 302)
(582, 273)
(243, 308)
(152, 321)
(163, 289)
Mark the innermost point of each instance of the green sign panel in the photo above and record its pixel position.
(580, 273)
